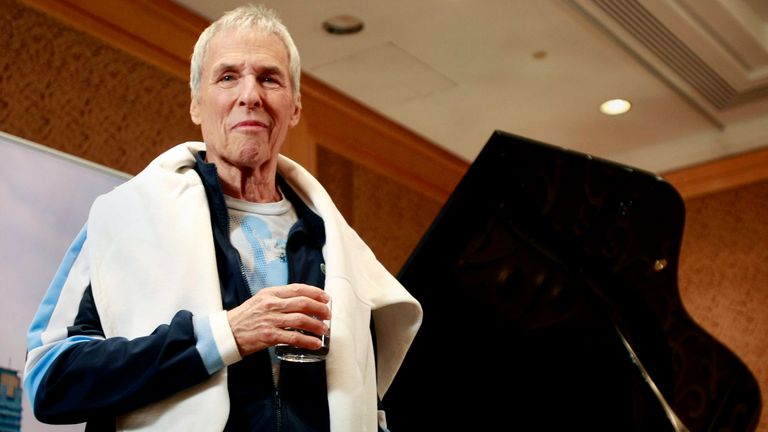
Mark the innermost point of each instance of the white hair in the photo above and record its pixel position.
(250, 16)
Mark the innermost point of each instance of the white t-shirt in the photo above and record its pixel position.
(259, 232)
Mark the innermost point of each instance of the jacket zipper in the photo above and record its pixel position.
(278, 399)
(278, 409)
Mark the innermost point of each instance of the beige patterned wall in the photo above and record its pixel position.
(391, 218)
(66, 90)
(723, 276)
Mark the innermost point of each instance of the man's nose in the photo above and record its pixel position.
(250, 93)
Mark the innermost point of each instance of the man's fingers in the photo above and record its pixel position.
(302, 340)
(303, 322)
(300, 290)
(300, 298)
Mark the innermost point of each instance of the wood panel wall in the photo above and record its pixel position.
(723, 273)
(107, 81)
(66, 90)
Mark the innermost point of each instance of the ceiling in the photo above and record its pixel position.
(453, 71)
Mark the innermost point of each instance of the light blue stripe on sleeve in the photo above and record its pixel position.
(33, 376)
(48, 305)
(206, 345)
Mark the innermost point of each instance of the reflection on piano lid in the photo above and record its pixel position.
(549, 288)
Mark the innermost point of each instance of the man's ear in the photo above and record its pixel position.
(193, 111)
(296, 115)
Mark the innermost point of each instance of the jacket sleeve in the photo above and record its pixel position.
(74, 374)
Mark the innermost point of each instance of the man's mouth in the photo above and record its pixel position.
(249, 125)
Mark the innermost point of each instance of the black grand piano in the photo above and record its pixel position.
(549, 288)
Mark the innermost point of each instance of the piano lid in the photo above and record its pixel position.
(549, 288)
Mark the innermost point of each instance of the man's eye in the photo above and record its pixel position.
(270, 80)
(228, 79)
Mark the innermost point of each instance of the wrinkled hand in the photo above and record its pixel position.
(261, 321)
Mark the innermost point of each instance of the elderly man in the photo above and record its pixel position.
(166, 308)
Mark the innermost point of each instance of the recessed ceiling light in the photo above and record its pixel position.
(615, 106)
(343, 24)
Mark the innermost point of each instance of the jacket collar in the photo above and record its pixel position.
(309, 221)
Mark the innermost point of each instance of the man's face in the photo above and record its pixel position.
(245, 104)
